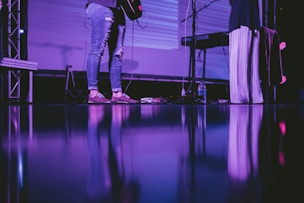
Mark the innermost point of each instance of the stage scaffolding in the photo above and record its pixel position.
(12, 61)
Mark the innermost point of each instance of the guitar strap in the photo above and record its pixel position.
(132, 8)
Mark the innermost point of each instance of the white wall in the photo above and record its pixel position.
(58, 36)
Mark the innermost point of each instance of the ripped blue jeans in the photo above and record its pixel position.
(107, 28)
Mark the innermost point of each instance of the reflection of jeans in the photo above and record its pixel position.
(107, 28)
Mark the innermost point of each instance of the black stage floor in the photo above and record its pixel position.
(151, 153)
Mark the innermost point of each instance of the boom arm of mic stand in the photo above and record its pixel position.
(205, 6)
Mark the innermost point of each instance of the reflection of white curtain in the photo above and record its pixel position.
(244, 126)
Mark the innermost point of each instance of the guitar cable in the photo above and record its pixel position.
(132, 52)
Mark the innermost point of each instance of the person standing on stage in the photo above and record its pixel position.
(244, 39)
(107, 25)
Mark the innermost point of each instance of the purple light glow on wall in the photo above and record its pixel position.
(58, 36)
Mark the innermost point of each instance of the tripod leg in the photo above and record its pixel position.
(67, 78)
(66, 85)
(204, 65)
(73, 81)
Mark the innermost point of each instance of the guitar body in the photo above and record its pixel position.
(132, 8)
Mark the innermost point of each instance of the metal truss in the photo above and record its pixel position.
(14, 29)
(14, 47)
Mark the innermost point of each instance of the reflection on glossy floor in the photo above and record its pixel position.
(147, 153)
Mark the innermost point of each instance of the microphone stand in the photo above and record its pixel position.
(193, 46)
(192, 49)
